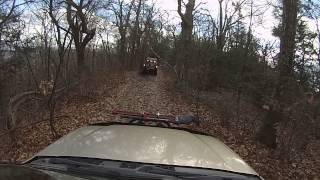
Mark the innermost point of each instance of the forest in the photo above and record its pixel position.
(67, 63)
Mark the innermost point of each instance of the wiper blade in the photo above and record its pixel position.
(73, 167)
(66, 165)
(154, 169)
(125, 170)
(68, 162)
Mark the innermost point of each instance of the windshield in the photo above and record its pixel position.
(89, 168)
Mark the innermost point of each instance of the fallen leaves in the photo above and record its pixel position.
(153, 94)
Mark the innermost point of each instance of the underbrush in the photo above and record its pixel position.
(76, 108)
(236, 121)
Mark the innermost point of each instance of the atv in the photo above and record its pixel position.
(150, 66)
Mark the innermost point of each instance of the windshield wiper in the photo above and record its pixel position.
(94, 168)
(73, 167)
(218, 175)
(155, 169)
(66, 165)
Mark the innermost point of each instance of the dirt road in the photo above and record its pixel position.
(148, 93)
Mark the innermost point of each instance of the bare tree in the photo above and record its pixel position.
(313, 12)
(8, 14)
(287, 39)
(122, 12)
(82, 30)
(61, 38)
(47, 38)
(286, 80)
(186, 34)
(136, 32)
(105, 44)
(187, 20)
(9, 20)
(149, 30)
(231, 13)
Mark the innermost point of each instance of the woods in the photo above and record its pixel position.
(267, 89)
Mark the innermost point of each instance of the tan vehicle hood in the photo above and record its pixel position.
(148, 145)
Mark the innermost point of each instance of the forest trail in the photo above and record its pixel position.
(134, 92)
(144, 93)
(148, 93)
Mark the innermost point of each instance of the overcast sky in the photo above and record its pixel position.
(263, 30)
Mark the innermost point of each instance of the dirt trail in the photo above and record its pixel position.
(147, 93)
(140, 93)
(136, 93)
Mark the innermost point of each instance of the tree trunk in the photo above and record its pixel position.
(122, 49)
(318, 31)
(78, 29)
(183, 61)
(135, 40)
(82, 68)
(267, 134)
(249, 33)
(287, 46)
(220, 38)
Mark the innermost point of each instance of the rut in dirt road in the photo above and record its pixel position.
(148, 93)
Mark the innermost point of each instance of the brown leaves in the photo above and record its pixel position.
(77, 111)
(153, 94)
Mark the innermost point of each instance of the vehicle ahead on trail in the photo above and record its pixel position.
(150, 66)
(137, 146)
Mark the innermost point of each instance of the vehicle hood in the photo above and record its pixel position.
(148, 145)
